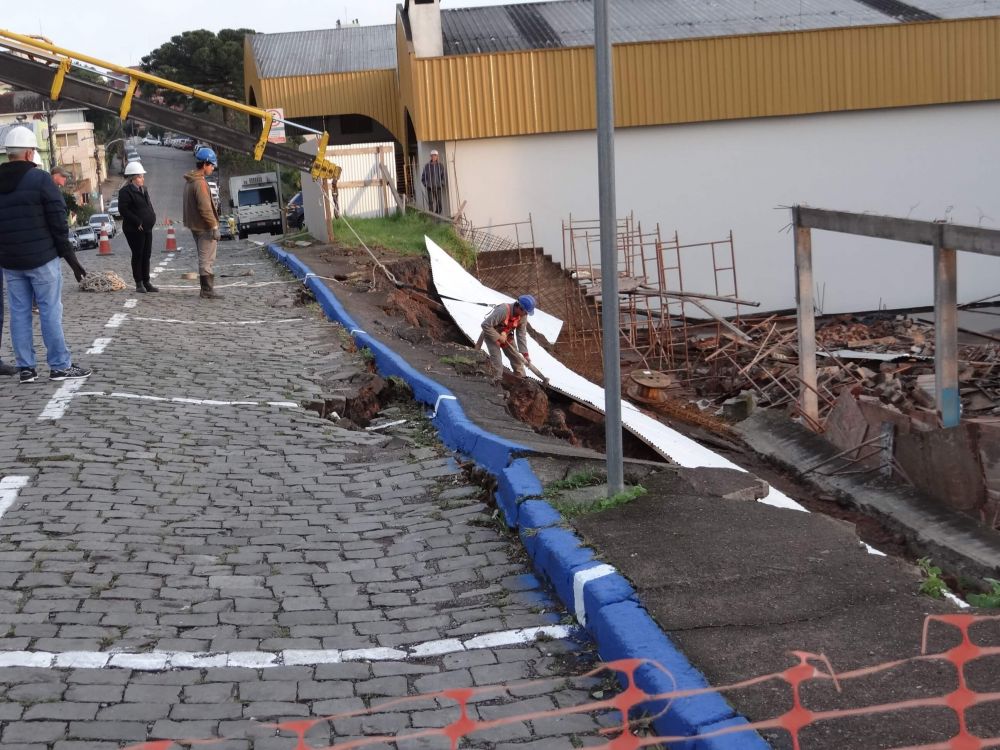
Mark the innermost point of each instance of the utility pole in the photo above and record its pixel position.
(48, 120)
(609, 248)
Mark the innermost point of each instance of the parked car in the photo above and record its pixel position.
(73, 241)
(104, 222)
(295, 214)
(150, 140)
(113, 208)
(86, 237)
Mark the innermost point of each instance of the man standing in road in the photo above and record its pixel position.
(434, 179)
(33, 236)
(202, 218)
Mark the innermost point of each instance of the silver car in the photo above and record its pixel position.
(104, 222)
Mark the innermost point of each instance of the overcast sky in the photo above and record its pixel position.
(123, 32)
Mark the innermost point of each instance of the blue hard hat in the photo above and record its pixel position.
(206, 154)
(527, 303)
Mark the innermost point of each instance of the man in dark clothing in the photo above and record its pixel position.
(33, 236)
(138, 219)
(434, 179)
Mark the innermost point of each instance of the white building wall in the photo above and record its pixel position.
(705, 179)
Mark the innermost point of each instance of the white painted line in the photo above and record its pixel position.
(437, 403)
(81, 659)
(357, 330)
(130, 303)
(580, 579)
(151, 661)
(9, 487)
(98, 346)
(521, 635)
(116, 320)
(56, 406)
(182, 400)
(436, 648)
(220, 322)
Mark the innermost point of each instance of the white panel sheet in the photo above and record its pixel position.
(456, 286)
(454, 282)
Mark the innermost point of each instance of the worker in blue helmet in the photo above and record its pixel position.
(201, 216)
(505, 326)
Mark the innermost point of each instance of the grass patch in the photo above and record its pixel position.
(571, 510)
(992, 599)
(585, 478)
(933, 585)
(458, 360)
(404, 234)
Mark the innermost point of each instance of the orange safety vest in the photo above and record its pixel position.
(510, 322)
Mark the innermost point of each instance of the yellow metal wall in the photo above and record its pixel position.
(368, 92)
(696, 80)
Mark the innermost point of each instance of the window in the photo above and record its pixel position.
(258, 196)
(67, 139)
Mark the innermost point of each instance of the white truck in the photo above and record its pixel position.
(254, 198)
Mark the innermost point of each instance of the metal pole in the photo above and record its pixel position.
(609, 249)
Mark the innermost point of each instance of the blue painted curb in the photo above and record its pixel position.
(614, 617)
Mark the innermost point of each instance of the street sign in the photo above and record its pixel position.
(277, 128)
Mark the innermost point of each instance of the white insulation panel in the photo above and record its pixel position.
(463, 295)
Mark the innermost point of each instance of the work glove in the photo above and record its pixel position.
(216, 235)
(73, 263)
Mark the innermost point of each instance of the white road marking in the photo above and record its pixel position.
(153, 661)
(218, 322)
(183, 400)
(98, 346)
(56, 406)
(9, 487)
(580, 579)
(130, 303)
(116, 320)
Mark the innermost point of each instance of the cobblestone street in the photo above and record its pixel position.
(186, 553)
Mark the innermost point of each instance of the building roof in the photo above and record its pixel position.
(570, 23)
(343, 50)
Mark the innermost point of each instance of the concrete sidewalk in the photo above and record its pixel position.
(187, 553)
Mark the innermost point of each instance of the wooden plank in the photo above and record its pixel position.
(808, 401)
(946, 336)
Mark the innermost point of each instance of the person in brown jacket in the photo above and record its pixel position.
(202, 218)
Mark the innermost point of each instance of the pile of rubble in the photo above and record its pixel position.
(888, 358)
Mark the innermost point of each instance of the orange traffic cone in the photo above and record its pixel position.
(104, 248)
(171, 238)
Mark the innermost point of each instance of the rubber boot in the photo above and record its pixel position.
(149, 286)
(207, 284)
(139, 288)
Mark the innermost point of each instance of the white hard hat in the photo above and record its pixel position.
(133, 168)
(20, 137)
(435, 153)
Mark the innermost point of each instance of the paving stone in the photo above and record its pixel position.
(177, 527)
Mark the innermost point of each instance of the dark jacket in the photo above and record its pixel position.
(136, 209)
(33, 228)
(433, 175)
(200, 214)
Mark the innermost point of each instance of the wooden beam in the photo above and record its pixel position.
(946, 336)
(937, 234)
(808, 401)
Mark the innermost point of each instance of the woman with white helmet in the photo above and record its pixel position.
(138, 219)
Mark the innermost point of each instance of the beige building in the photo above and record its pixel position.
(723, 111)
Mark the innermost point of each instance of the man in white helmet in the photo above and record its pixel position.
(34, 235)
(138, 219)
(434, 179)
